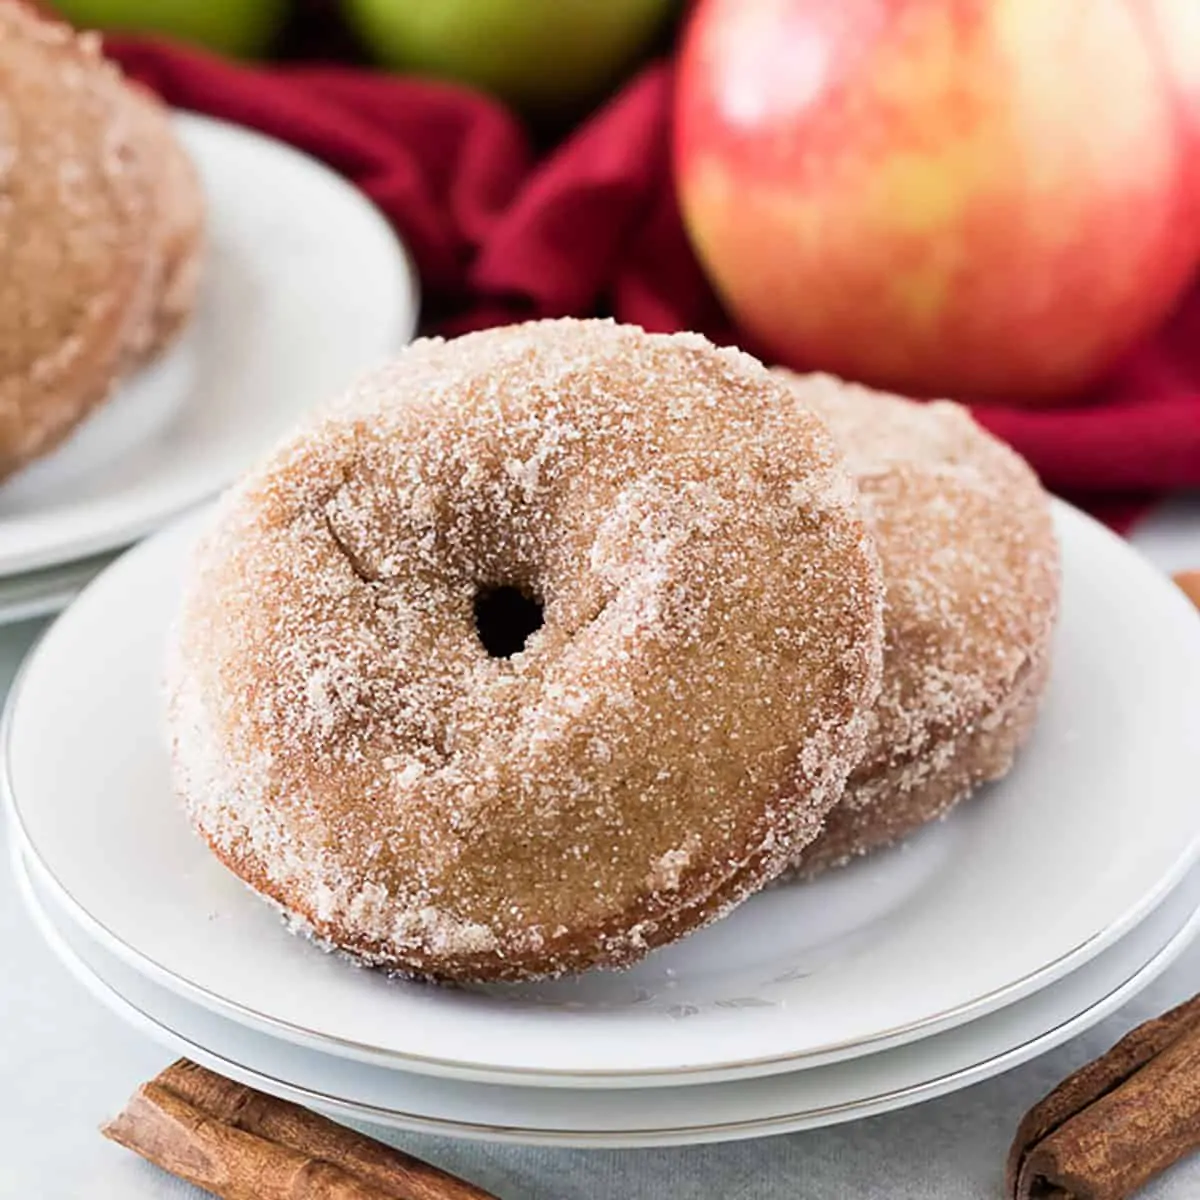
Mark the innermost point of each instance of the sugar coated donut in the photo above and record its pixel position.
(971, 571)
(96, 270)
(177, 225)
(539, 649)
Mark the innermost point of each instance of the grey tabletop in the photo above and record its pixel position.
(66, 1064)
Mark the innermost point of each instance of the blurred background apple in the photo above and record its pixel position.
(543, 55)
(244, 28)
(978, 198)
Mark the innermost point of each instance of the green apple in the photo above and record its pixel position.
(244, 28)
(540, 54)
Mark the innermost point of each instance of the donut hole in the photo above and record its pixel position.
(505, 619)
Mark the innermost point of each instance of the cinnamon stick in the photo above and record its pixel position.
(1189, 584)
(241, 1144)
(1112, 1126)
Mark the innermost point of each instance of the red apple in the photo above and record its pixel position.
(981, 198)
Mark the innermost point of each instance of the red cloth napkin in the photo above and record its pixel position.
(502, 234)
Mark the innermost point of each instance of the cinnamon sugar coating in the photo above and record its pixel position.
(83, 232)
(177, 229)
(670, 737)
(971, 571)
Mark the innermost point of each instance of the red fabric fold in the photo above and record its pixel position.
(500, 233)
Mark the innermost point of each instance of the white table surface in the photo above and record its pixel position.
(66, 1064)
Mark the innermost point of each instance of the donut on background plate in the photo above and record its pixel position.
(100, 220)
(539, 649)
(971, 571)
(176, 230)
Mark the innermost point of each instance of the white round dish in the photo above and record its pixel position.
(305, 288)
(659, 1116)
(49, 590)
(1097, 823)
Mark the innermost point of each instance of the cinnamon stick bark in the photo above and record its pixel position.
(241, 1144)
(1111, 1127)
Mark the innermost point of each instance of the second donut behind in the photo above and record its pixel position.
(971, 574)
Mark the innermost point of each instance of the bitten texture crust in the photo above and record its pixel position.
(665, 742)
(971, 570)
(90, 236)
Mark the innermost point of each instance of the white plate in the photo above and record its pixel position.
(49, 590)
(305, 288)
(660, 1116)
(1096, 824)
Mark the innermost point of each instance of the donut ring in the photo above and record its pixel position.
(667, 739)
(177, 221)
(101, 231)
(72, 232)
(971, 571)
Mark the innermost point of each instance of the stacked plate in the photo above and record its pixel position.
(305, 288)
(1034, 911)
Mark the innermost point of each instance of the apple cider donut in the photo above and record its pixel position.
(971, 572)
(177, 225)
(73, 209)
(100, 231)
(539, 649)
